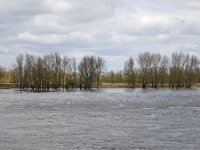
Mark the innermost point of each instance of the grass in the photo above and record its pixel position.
(197, 85)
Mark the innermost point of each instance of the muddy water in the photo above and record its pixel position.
(109, 119)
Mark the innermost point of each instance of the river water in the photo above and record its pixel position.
(109, 119)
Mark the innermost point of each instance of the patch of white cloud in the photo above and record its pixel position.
(58, 6)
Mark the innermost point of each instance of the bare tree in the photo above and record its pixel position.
(49, 68)
(53, 72)
(19, 70)
(65, 70)
(87, 68)
(70, 72)
(145, 68)
(163, 70)
(156, 65)
(74, 73)
(57, 70)
(2, 73)
(100, 69)
(129, 71)
(177, 70)
(191, 70)
(28, 70)
(112, 76)
(40, 77)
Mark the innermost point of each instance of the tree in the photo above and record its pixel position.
(2, 73)
(183, 70)
(177, 69)
(19, 70)
(69, 65)
(28, 70)
(39, 74)
(49, 69)
(112, 76)
(74, 73)
(100, 69)
(129, 71)
(156, 65)
(53, 72)
(57, 70)
(145, 65)
(87, 69)
(191, 70)
(163, 70)
(65, 69)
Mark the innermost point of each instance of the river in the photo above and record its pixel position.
(110, 119)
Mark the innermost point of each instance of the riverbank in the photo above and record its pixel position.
(7, 86)
(103, 85)
(125, 85)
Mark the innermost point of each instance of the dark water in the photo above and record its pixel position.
(109, 119)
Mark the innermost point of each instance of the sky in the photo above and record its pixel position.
(113, 29)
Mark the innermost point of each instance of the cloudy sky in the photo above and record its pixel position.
(114, 29)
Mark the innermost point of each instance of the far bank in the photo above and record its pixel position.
(103, 85)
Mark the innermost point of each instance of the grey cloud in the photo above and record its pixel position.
(111, 28)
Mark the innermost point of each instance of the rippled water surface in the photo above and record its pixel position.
(108, 119)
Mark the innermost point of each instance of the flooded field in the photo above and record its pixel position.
(110, 119)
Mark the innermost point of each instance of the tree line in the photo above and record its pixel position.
(52, 72)
(181, 70)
